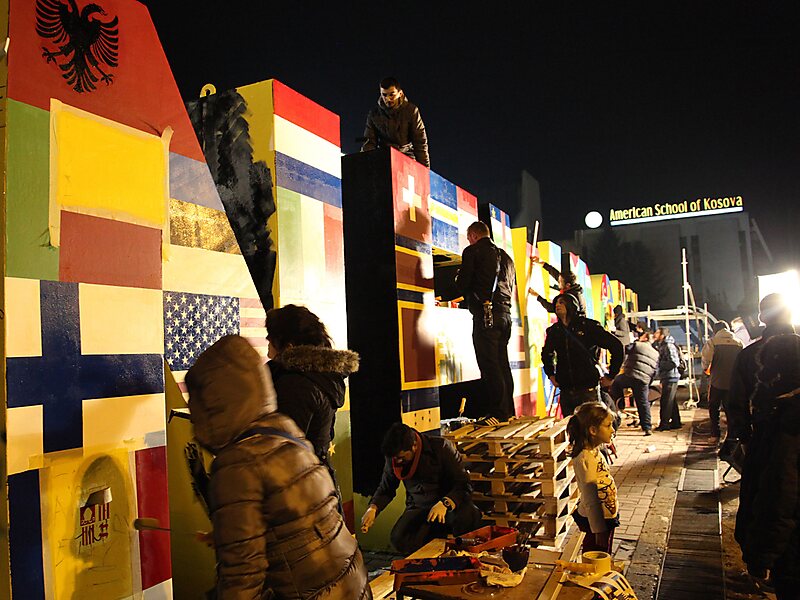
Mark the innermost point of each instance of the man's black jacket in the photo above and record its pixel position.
(768, 519)
(743, 384)
(575, 289)
(476, 277)
(570, 352)
(400, 128)
(439, 474)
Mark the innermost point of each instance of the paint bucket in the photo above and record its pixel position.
(516, 556)
(600, 561)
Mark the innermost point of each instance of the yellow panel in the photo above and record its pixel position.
(425, 419)
(23, 318)
(121, 320)
(110, 422)
(260, 117)
(25, 443)
(102, 569)
(201, 271)
(103, 168)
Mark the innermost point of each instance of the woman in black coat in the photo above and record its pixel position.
(308, 373)
(768, 521)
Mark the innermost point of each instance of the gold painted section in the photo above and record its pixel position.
(198, 226)
(425, 419)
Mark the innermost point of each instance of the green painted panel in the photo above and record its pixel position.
(378, 537)
(193, 563)
(342, 459)
(28, 193)
(290, 246)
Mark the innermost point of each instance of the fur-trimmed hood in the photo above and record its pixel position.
(326, 368)
(320, 359)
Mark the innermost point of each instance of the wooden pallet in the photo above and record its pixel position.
(521, 474)
(507, 439)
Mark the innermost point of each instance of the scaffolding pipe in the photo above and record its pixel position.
(690, 361)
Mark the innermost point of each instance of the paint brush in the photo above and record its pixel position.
(148, 524)
(153, 524)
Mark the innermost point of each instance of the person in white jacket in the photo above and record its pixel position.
(597, 515)
(718, 357)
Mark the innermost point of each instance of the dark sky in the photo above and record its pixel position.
(607, 104)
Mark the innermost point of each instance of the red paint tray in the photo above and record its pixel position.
(449, 570)
(491, 537)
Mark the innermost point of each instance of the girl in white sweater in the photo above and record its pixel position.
(597, 514)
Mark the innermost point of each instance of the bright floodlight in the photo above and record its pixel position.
(593, 219)
(787, 284)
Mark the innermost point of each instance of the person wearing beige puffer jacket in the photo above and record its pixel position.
(277, 531)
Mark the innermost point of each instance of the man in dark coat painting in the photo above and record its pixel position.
(486, 281)
(437, 489)
(396, 123)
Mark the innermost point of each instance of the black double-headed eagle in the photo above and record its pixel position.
(87, 44)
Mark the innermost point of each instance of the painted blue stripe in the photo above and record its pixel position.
(410, 296)
(191, 181)
(443, 191)
(411, 400)
(25, 535)
(445, 235)
(62, 377)
(406, 242)
(307, 180)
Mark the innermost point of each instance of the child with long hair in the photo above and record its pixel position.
(597, 514)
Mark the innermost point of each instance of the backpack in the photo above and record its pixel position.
(683, 366)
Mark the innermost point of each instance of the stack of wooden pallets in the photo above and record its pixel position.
(522, 475)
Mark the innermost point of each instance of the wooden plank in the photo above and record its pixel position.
(570, 551)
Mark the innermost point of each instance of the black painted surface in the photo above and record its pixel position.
(372, 326)
(244, 186)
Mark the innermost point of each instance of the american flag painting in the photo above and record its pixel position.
(193, 322)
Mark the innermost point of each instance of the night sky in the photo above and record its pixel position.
(607, 104)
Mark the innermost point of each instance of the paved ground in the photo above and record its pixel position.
(647, 472)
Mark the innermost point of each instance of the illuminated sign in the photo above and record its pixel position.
(679, 210)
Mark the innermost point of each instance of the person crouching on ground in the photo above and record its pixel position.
(768, 520)
(277, 531)
(597, 514)
(437, 489)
